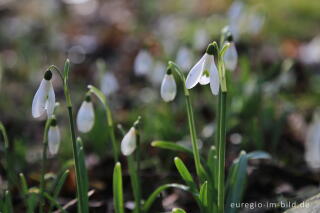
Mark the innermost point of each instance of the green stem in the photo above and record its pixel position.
(8, 152)
(112, 133)
(82, 202)
(221, 146)
(77, 162)
(194, 138)
(134, 168)
(191, 123)
(110, 124)
(43, 164)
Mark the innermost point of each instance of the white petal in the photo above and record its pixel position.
(85, 117)
(208, 60)
(231, 57)
(195, 74)
(40, 98)
(143, 63)
(204, 80)
(168, 88)
(54, 139)
(51, 101)
(214, 79)
(128, 143)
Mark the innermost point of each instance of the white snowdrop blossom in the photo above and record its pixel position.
(184, 58)
(54, 138)
(109, 83)
(143, 63)
(85, 116)
(155, 77)
(312, 145)
(231, 57)
(44, 99)
(129, 142)
(204, 72)
(168, 89)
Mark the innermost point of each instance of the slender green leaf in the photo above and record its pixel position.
(236, 182)
(133, 170)
(98, 93)
(147, 205)
(118, 189)
(178, 210)
(171, 146)
(83, 175)
(7, 203)
(54, 202)
(23, 184)
(185, 174)
(204, 196)
(58, 186)
(258, 155)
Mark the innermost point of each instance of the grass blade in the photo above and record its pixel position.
(83, 176)
(7, 203)
(236, 182)
(118, 189)
(147, 205)
(107, 109)
(58, 186)
(185, 175)
(178, 210)
(171, 146)
(204, 196)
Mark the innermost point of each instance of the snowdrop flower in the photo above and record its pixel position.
(143, 63)
(53, 137)
(157, 73)
(205, 71)
(312, 144)
(129, 142)
(85, 117)
(168, 89)
(184, 58)
(109, 83)
(231, 55)
(44, 99)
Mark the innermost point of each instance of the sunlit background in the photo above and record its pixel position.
(123, 46)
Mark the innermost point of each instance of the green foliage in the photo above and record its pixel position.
(118, 189)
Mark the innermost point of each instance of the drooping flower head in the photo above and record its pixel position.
(205, 71)
(129, 142)
(85, 116)
(231, 55)
(168, 89)
(54, 137)
(44, 99)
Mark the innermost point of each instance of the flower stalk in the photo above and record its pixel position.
(193, 134)
(43, 164)
(221, 127)
(110, 123)
(130, 147)
(83, 206)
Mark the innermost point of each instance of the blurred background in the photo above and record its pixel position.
(123, 46)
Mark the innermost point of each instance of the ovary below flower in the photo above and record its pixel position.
(168, 89)
(44, 99)
(85, 117)
(54, 138)
(205, 71)
(129, 142)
